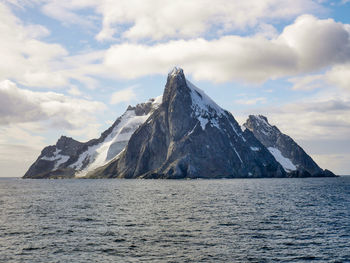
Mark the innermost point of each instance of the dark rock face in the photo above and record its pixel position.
(52, 155)
(68, 156)
(273, 139)
(189, 136)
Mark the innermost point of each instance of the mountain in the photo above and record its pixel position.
(70, 158)
(182, 134)
(286, 151)
(190, 136)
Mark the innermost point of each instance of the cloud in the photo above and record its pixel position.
(24, 114)
(256, 58)
(156, 20)
(327, 118)
(28, 60)
(338, 163)
(317, 43)
(20, 105)
(339, 76)
(74, 91)
(309, 82)
(19, 147)
(16, 159)
(225, 59)
(251, 59)
(252, 101)
(67, 11)
(124, 95)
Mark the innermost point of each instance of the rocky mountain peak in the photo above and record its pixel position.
(190, 136)
(176, 72)
(175, 87)
(259, 121)
(285, 150)
(66, 144)
(64, 140)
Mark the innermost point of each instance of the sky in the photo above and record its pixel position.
(72, 67)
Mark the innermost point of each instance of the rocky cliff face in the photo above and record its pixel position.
(286, 151)
(189, 136)
(70, 158)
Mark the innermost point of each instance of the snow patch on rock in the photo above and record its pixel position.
(255, 149)
(57, 158)
(239, 157)
(285, 162)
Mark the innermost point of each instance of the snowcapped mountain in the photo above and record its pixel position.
(286, 151)
(190, 136)
(182, 134)
(70, 158)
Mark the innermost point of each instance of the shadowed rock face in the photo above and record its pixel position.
(189, 136)
(51, 156)
(272, 138)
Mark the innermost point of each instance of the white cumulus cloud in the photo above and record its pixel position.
(124, 95)
(164, 19)
(251, 101)
(24, 57)
(339, 76)
(307, 45)
(20, 105)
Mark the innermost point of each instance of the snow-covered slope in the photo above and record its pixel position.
(101, 153)
(286, 163)
(204, 108)
(72, 158)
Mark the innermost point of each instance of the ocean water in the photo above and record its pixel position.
(239, 220)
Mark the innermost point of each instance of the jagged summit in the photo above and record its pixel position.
(203, 107)
(260, 123)
(176, 71)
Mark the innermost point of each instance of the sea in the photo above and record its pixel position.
(229, 220)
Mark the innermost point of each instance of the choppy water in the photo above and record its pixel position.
(253, 220)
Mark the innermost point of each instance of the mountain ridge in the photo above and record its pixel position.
(69, 158)
(182, 134)
(190, 136)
